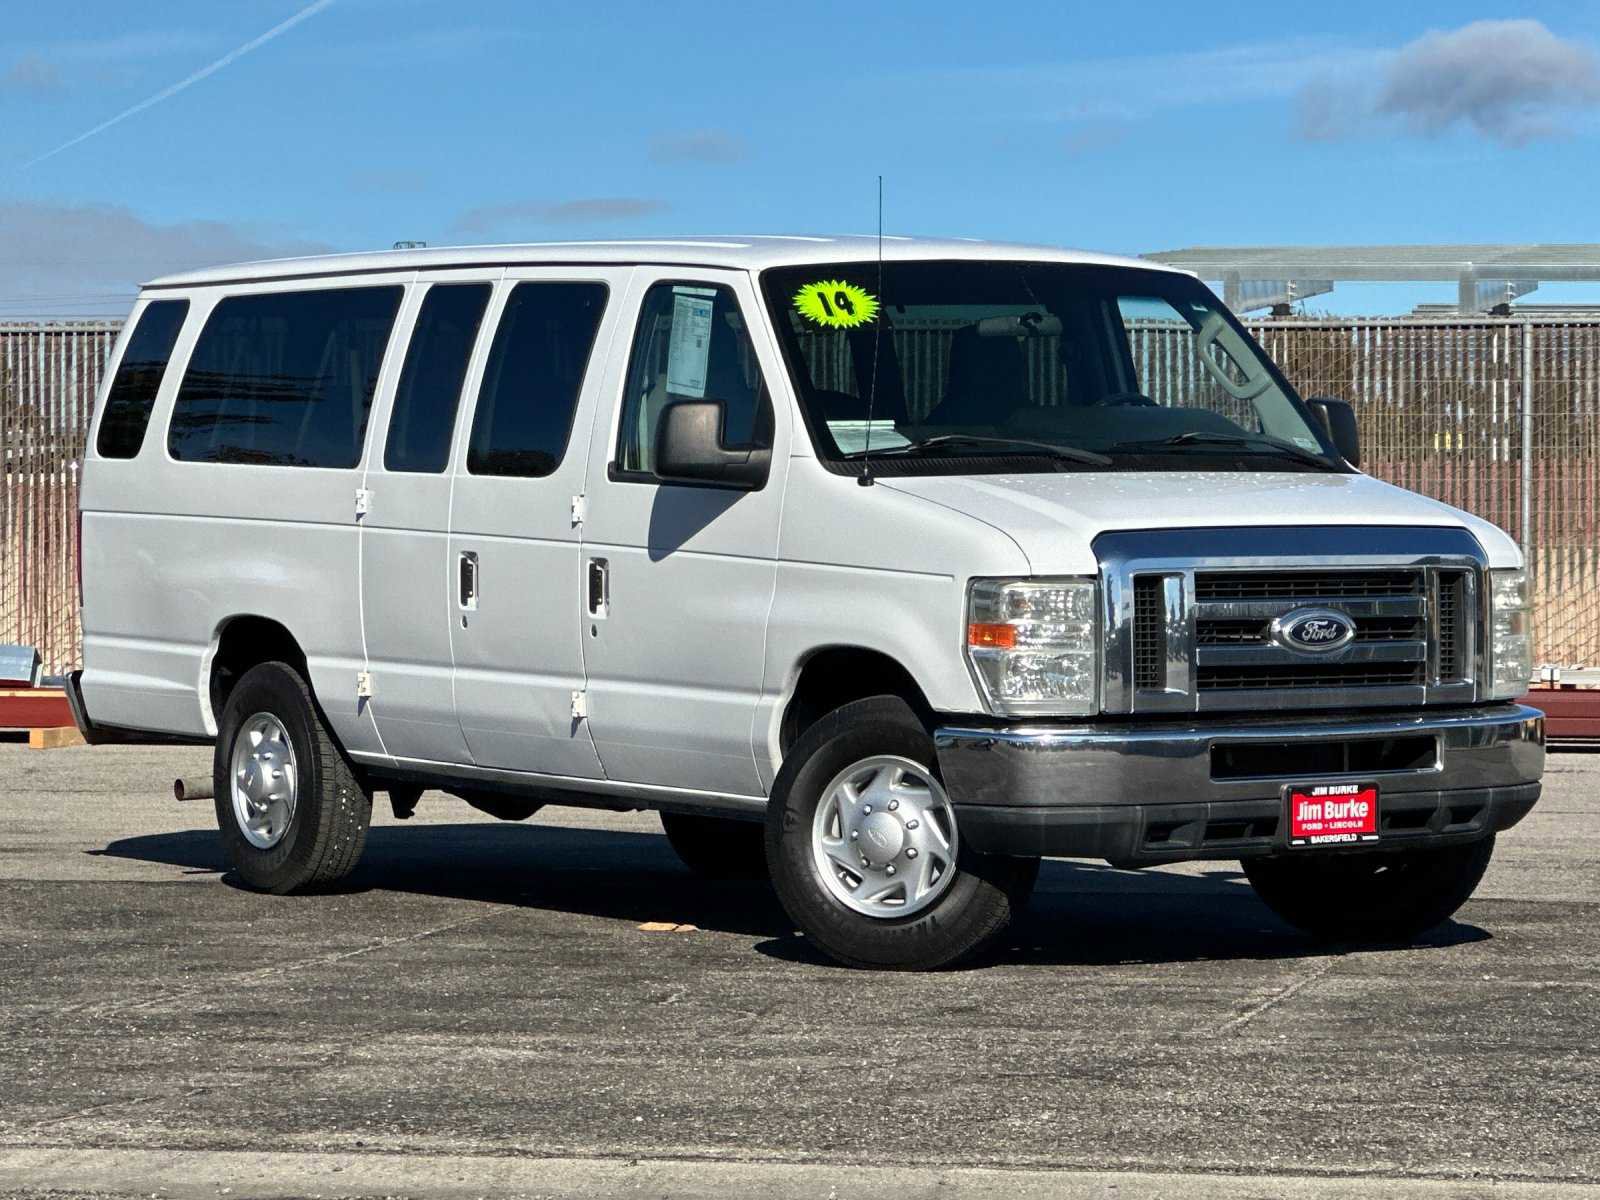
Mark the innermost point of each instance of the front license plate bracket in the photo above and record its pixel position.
(1331, 814)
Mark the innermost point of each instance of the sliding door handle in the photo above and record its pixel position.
(468, 569)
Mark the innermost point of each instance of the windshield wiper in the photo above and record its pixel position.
(1026, 445)
(1203, 437)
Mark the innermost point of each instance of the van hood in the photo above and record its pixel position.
(1054, 518)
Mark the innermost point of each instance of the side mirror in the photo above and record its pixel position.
(1340, 420)
(689, 448)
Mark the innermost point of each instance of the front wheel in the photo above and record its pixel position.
(864, 852)
(1374, 897)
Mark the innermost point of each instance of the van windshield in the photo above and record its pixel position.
(989, 366)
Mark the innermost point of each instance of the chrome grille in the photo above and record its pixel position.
(1190, 618)
(1250, 632)
(1211, 679)
(1149, 636)
(1388, 608)
(1449, 609)
(1304, 587)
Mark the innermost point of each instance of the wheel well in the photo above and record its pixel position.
(834, 677)
(244, 642)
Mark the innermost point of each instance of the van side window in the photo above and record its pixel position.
(284, 378)
(691, 344)
(430, 383)
(533, 377)
(138, 379)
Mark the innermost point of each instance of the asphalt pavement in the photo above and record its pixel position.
(556, 1007)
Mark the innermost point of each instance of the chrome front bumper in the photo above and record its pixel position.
(1152, 791)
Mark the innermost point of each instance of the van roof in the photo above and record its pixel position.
(739, 253)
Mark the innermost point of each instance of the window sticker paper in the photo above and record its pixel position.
(690, 347)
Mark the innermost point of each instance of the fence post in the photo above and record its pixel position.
(1527, 438)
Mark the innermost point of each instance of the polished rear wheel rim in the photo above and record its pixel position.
(264, 780)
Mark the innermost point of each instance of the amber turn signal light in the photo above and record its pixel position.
(992, 636)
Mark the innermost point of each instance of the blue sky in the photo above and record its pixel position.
(1117, 127)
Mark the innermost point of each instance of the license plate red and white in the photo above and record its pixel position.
(1332, 814)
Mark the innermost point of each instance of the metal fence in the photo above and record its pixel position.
(1499, 416)
(48, 376)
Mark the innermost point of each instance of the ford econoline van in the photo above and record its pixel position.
(882, 569)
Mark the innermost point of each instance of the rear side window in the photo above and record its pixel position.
(284, 378)
(430, 384)
(532, 379)
(138, 378)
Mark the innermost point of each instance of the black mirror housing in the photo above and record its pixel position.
(1340, 421)
(689, 448)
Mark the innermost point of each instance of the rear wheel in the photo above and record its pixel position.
(1389, 897)
(291, 812)
(864, 851)
(716, 847)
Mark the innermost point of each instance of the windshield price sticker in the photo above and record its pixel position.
(836, 304)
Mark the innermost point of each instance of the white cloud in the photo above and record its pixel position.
(47, 67)
(84, 259)
(391, 181)
(126, 47)
(491, 217)
(1128, 88)
(1510, 81)
(30, 73)
(187, 81)
(711, 146)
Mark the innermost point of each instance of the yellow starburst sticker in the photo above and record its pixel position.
(836, 304)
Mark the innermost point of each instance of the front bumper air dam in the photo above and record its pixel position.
(1136, 793)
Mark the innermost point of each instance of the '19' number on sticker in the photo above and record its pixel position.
(841, 301)
(836, 304)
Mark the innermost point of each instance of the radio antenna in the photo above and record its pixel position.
(865, 478)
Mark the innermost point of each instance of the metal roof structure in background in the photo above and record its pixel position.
(1487, 277)
(1428, 310)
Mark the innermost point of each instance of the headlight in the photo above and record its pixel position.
(1034, 645)
(1510, 635)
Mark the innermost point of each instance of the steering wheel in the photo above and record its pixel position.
(1125, 400)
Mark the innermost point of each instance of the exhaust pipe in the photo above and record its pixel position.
(192, 789)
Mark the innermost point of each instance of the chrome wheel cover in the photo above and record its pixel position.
(264, 780)
(884, 838)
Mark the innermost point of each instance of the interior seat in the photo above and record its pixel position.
(987, 381)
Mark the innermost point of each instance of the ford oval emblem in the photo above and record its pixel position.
(1314, 630)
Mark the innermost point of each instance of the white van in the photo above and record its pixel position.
(935, 557)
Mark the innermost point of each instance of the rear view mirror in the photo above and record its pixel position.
(1340, 420)
(689, 448)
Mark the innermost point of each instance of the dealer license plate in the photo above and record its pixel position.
(1332, 814)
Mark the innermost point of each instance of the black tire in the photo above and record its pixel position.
(324, 838)
(717, 847)
(1387, 897)
(975, 908)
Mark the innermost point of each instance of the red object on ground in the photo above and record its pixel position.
(1569, 713)
(34, 708)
